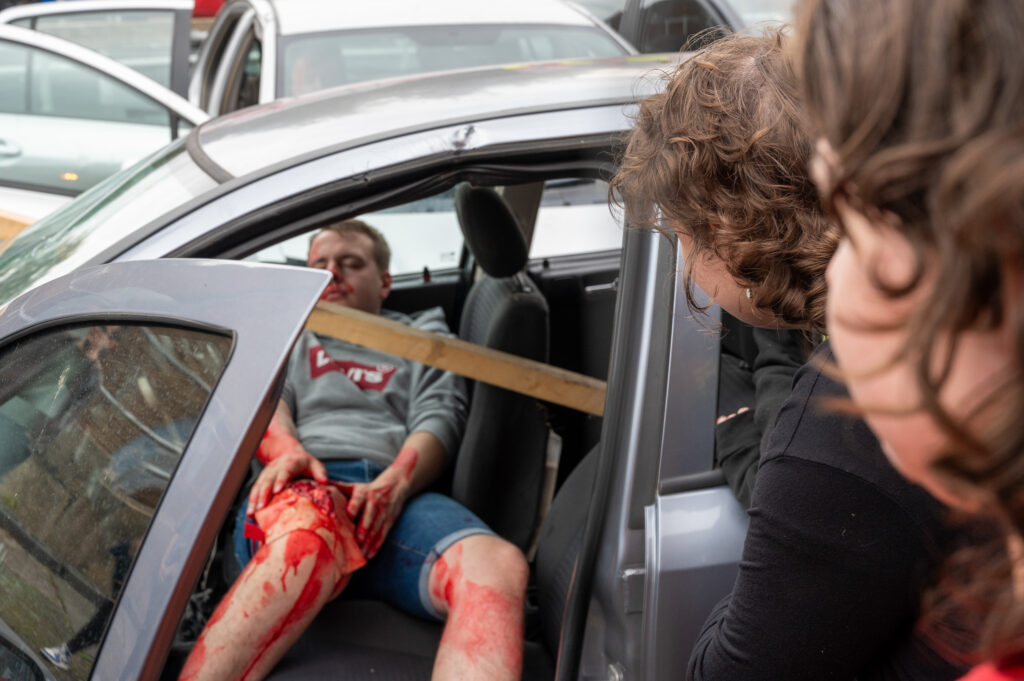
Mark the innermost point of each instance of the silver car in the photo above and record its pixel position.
(70, 117)
(143, 333)
(260, 50)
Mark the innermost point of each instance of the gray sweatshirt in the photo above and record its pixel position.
(351, 402)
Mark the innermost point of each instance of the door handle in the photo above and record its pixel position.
(9, 149)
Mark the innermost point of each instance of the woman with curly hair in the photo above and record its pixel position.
(918, 108)
(840, 547)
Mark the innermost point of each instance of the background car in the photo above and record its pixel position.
(71, 117)
(150, 36)
(261, 50)
(143, 361)
(669, 25)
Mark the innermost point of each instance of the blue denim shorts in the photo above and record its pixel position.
(399, 573)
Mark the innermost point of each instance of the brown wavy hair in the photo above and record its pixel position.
(722, 154)
(922, 102)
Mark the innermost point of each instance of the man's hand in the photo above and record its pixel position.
(380, 502)
(280, 471)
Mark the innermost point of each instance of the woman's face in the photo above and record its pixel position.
(710, 274)
(868, 332)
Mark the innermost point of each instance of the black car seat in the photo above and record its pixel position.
(499, 469)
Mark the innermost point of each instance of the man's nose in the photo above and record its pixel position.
(336, 271)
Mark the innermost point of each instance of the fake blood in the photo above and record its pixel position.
(301, 545)
(483, 621)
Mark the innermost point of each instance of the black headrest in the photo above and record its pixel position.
(491, 230)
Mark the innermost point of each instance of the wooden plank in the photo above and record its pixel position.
(501, 369)
(12, 224)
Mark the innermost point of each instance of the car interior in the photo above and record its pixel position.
(517, 452)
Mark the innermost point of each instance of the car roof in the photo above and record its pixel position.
(313, 16)
(315, 125)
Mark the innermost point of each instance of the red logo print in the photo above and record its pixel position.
(363, 375)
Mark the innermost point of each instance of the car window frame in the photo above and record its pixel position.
(201, 295)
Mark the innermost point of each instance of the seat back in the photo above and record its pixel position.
(500, 465)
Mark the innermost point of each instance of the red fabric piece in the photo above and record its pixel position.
(252, 531)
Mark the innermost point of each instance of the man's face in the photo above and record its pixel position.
(356, 281)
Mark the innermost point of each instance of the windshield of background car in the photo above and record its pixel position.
(756, 11)
(99, 218)
(93, 422)
(322, 60)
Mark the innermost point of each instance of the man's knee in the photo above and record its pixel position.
(487, 559)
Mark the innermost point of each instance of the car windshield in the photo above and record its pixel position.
(316, 61)
(99, 218)
(756, 11)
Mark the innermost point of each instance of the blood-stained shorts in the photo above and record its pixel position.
(398, 574)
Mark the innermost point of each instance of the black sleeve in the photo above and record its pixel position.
(762, 385)
(824, 586)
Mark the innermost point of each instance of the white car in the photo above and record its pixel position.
(261, 50)
(70, 117)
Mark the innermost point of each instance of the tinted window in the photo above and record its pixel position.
(667, 25)
(141, 40)
(93, 422)
(609, 11)
(313, 62)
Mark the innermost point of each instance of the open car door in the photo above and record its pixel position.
(132, 397)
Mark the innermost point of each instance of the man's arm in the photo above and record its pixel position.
(283, 458)
(380, 502)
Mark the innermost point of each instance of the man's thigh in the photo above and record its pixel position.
(399, 574)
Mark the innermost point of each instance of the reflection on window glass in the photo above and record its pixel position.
(249, 77)
(138, 39)
(322, 60)
(93, 422)
(574, 217)
(423, 233)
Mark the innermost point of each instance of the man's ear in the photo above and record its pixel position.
(385, 285)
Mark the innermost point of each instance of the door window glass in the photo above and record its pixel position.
(93, 422)
(574, 217)
(141, 40)
(667, 25)
(65, 126)
(61, 87)
(421, 234)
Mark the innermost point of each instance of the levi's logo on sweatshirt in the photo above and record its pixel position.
(363, 375)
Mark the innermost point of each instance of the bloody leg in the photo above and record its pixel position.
(480, 583)
(308, 556)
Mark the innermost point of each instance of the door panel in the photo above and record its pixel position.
(146, 377)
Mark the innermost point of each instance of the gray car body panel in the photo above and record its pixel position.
(228, 297)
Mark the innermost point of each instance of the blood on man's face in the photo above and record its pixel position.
(356, 281)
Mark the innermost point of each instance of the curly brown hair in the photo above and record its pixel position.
(922, 103)
(722, 154)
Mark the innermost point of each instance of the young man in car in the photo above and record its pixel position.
(356, 437)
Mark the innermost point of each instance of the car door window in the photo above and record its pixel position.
(422, 234)
(667, 25)
(142, 40)
(93, 421)
(574, 217)
(65, 126)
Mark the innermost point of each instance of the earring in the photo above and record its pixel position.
(749, 296)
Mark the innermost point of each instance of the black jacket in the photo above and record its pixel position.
(839, 552)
